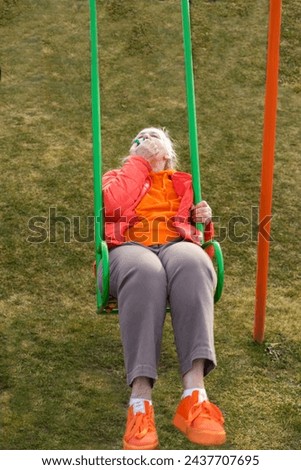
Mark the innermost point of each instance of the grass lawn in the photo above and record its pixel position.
(62, 380)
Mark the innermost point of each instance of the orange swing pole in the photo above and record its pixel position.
(268, 151)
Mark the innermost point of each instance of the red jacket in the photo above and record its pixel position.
(124, 188)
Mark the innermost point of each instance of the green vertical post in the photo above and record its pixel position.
(96, 140)
(191, 107)
(193, 141)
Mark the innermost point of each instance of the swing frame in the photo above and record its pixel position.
(101, 248)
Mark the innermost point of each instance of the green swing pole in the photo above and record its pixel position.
(193, 141)
(190, 94)
(100, 245)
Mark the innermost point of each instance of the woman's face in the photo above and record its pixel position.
(165, 143)
(150, 133)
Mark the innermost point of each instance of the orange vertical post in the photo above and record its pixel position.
(268, 151)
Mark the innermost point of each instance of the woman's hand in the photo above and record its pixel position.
(201, 213)
(153, 150)
(147, 148)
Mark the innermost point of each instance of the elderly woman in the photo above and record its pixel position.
(155, 258)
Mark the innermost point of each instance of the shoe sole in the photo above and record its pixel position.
(206, 438)
(127, 446)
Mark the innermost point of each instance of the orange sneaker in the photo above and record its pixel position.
(140, 432)
(202, 423)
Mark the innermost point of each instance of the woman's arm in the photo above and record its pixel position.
(122, 187)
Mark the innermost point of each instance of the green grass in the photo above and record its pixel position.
(62, 381)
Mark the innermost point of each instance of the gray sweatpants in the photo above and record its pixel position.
(144, 279)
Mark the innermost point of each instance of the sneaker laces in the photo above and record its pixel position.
(205, 410)
(139, 426)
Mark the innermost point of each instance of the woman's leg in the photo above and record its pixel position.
(138, 281)
(191, 281)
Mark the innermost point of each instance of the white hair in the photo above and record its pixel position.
(162, 134)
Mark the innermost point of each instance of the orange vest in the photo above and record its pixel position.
(155, 212)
